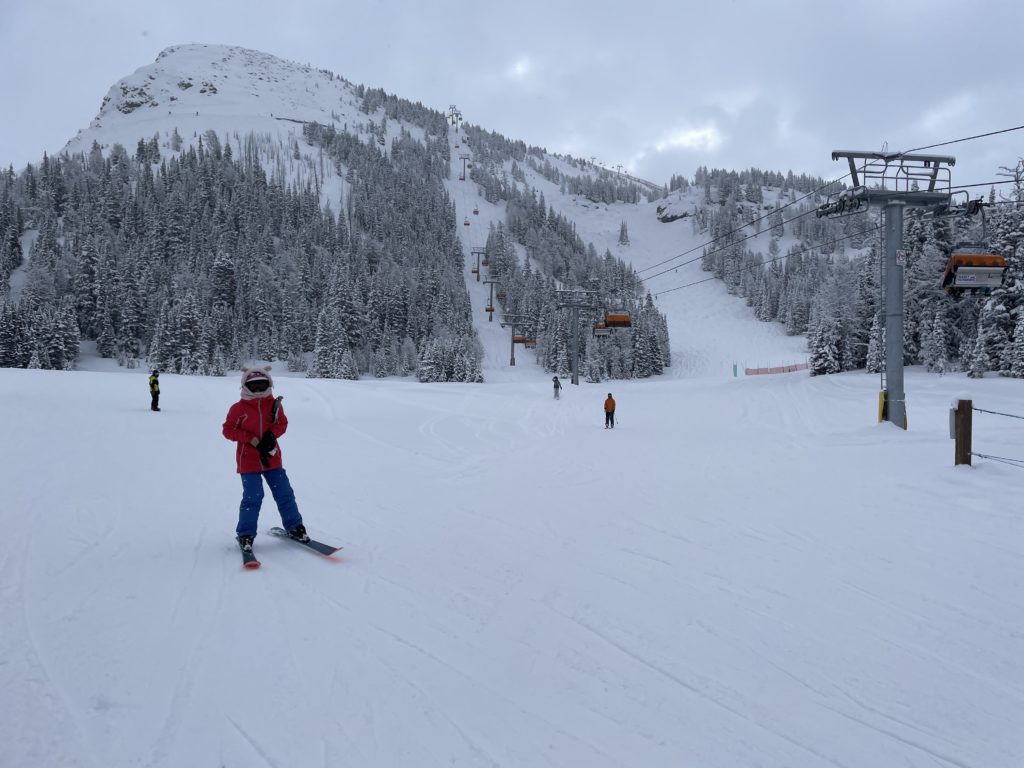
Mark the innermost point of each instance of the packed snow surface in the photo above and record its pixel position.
(743, 572)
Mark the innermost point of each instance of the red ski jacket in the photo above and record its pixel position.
(248, 419)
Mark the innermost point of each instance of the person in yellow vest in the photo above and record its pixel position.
(154, 391)
(609, 412)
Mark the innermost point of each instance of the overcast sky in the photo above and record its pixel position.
(659, 87)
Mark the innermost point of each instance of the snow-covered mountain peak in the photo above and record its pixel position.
(198, 87)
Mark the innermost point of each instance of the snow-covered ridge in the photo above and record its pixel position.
(194, 88)
(214, 76)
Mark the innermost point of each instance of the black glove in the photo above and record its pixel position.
(267, 444)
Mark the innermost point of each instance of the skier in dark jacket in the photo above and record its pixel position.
(558, 386)
(154, 391)
(255, 423)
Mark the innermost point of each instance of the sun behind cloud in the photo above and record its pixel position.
(519, 69)
(707, 138)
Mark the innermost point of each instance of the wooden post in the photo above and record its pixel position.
(962, 425)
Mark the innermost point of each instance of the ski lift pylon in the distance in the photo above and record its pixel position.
(973, 269)
(618, 318)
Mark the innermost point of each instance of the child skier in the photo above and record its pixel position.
(255, 423)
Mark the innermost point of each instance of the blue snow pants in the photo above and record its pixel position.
(252, 500)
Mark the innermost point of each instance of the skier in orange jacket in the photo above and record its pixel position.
(609, 412)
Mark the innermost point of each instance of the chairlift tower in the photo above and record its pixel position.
(463, 156)
(892, 181)
(511, 321)
(477, 253)
(575, 300)
(490, 299)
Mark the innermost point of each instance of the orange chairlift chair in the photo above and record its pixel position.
(972, 267)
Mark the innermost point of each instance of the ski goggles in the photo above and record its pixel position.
(257, 385)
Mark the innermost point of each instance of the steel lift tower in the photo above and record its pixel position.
(575, 299)
(892, 181)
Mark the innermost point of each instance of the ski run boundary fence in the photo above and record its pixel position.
(1018, 463)
(775, 369)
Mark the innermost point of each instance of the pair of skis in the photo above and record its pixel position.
(249, 559)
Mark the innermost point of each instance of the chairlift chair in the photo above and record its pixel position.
(618, 318)
(973, 269)
(476, 211)
(529, 343)
(500, 295)
(518, 339)
(466, 222)
(600, 329)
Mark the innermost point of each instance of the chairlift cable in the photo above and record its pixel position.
(724, 247)
(816, 191)
(740, 227)
(965, 138)
(808, 249)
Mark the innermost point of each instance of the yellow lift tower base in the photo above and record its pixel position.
(883, 409)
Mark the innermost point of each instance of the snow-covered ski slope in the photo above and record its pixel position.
(709, 329)
(742, 573)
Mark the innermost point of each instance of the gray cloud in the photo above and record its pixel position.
(661, 87)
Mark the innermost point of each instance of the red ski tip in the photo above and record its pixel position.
(253, 564)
